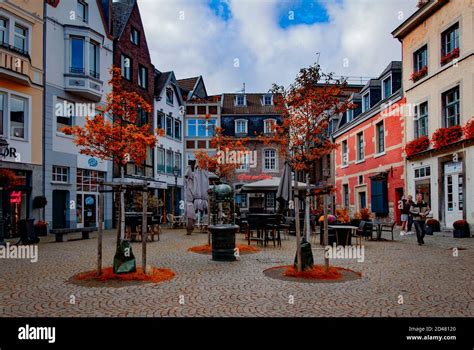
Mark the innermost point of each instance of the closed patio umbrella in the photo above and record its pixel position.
(189, 211)
(284, 193)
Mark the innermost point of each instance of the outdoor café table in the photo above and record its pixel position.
(261, 219)
(344, 233)
(379, 227)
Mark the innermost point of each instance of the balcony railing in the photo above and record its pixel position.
(7, 46)
(16, 64)
(94, 74)
(76, 70)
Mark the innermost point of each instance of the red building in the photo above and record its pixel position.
(369, 166)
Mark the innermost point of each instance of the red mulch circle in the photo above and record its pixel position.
(155, 276)
(207, 249)
(317, 274)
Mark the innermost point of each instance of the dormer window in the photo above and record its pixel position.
(350, 115)
(267, 100)
(366, 102)
(241, 126)
(240, 100)
(386, 87)
(169, 96)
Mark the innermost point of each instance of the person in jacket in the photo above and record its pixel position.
(420, 209)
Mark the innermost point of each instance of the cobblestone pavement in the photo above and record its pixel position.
(431, 281)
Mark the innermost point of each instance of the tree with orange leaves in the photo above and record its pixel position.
(115, 134)
(306, 108)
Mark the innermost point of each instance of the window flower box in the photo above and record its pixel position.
(423, 72)
(469, 130)
(450, 56)
(446, 136)
(416, 146)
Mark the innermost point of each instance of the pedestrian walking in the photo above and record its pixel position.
(405, 212)
(410, 216)
(420, 209)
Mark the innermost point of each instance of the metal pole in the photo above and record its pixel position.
(144, 226)
(297, 229)
(99, 238)
(326, 260)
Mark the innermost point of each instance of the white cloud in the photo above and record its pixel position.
(204, 44)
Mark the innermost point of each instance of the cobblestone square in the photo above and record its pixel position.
(399, 279)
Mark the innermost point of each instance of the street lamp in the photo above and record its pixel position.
(176, 173)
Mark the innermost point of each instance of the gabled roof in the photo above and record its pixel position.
(164, 79)
(121, 11)
(394, 65)
(189, 85)
(253, 106)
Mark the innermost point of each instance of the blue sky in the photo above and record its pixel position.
(257, 42)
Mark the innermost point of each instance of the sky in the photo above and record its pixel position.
(261, 42)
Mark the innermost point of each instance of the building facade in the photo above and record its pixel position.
(369, 166)
(169, 151)
(21, 108)
(438, 80)
(246, 115)
(79, 55)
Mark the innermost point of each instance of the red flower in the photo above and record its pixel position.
(469, 130)
(419, 74)
(418, 145)
(445, 136)
(450, 56)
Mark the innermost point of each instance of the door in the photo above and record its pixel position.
(59, 208)
(454, 198)
(90, 210)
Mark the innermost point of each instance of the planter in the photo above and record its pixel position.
(223, 242)
(462, 233)
(434, 226)
(429, 230)
(41, 230)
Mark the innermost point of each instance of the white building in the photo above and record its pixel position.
(169, 160)
(78, 52)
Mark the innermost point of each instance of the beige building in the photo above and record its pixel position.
(21, 106)
(438, 82)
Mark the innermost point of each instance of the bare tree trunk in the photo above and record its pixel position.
(122, 204)
(306, 210)
(144, 227)
(297, 229)
(326, 238)
(99, 238)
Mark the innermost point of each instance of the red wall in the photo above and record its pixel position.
(392, 161)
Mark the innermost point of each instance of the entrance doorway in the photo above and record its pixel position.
(454, 192)
(60, 208)
(90, 210)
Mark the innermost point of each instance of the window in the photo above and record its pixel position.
(60, 174)
(212, 109)
(360, 146)
(241, 200)
(169, 96)
(126, 66)
(160, 160)
(177, 129)
(17, 117)
(350, 115)
(269, 159)
(211, 127)
(20, 38)
(190, 109)
(345, 154)
(201, 110)
(177, 162)
(366, 102)
(2, 111)
(380, 140)
(82, 10)
(135, 36)
(345, 192)
(66, 118)
(200, 127)
(169, 162)
(387, 88)
(202, 144)
(3, 30)
(245, 165)
(267, 100)
(190, 144)
(169, 126)
(77, 55)
(450, 40)
(94, 60)
(160, 120)
(268, 126)
(143, 77)
(270, 200)
(240, 100)
(142, 117)
(422, 172)
(362, 200)
(421, 120)
(241, 126)
(450, 100)
(192, 127)
(420, 58)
